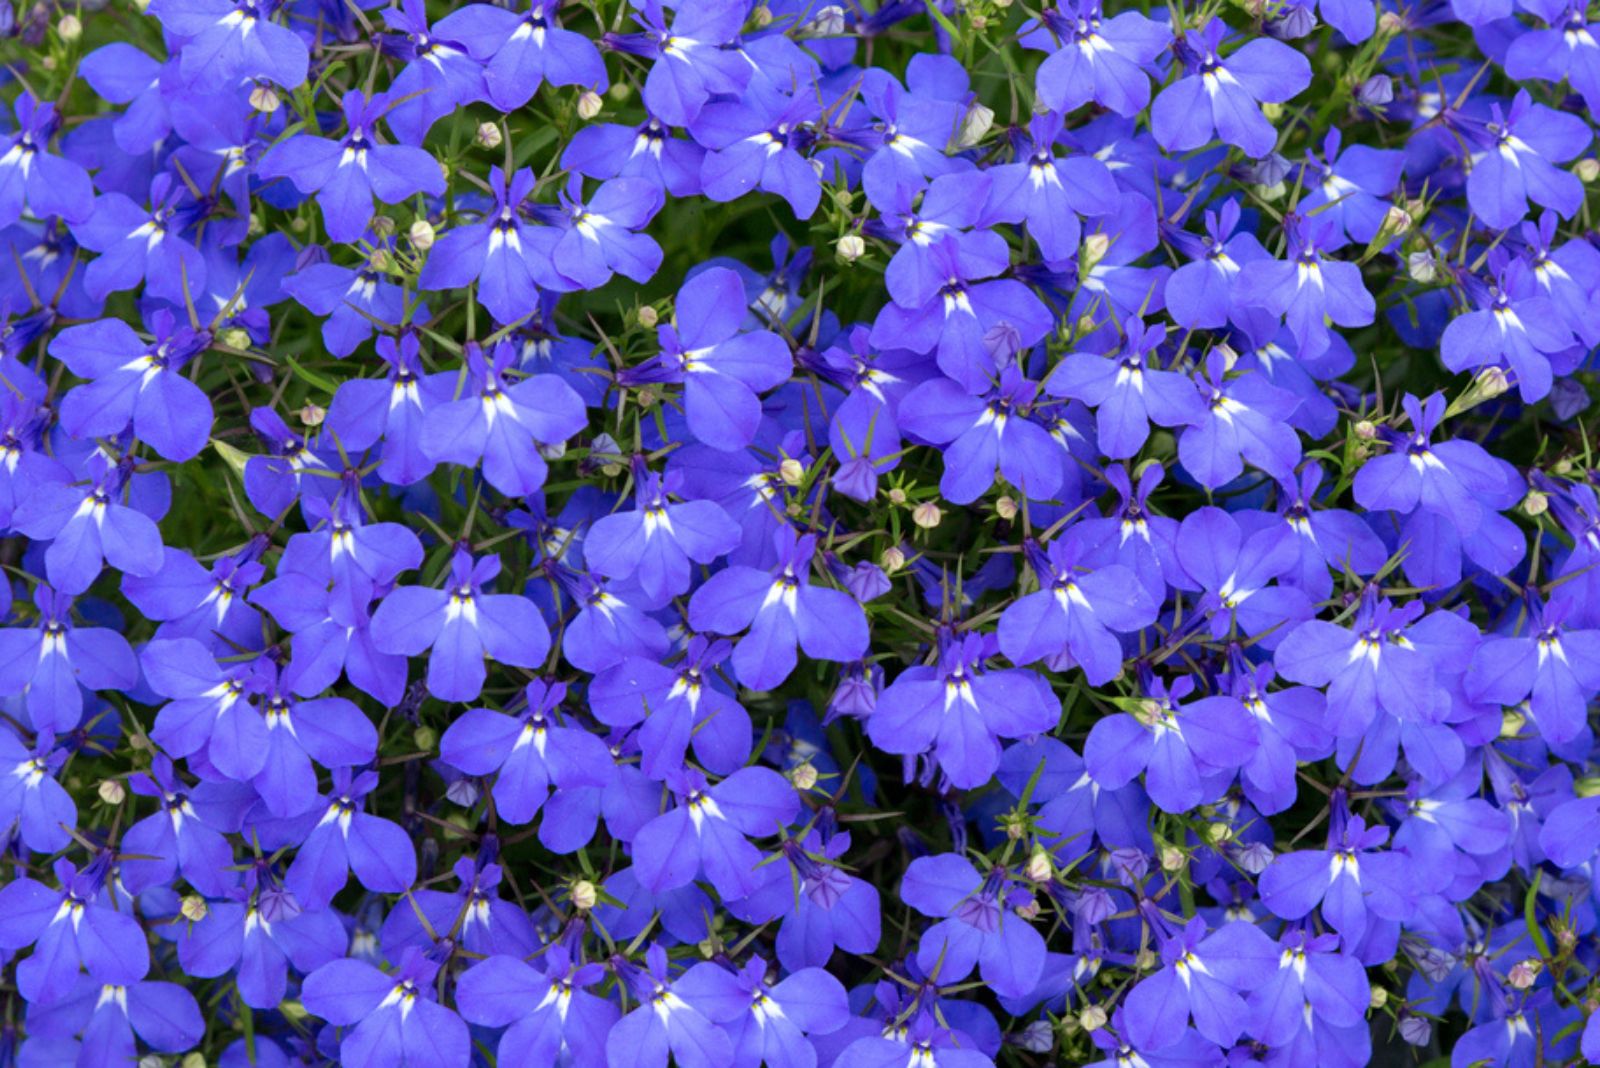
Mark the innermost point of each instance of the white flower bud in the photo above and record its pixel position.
(1172, 859)
(589, 105)
(313, 415)
(1511, 723)
(1524, 973)
(1587, 169)
(488, 135)
(803, 776)
(1377, 997)
(1535, 504)
(649, 317)
(975, 126)
(1005, 508)
(264, 98)
(421, 235)
(792, 471)
(584, 895)
(69, 28)
(1095, 247)
(235, 338)
(112, 791)
(1421, 268)
(892, 560)
(849, 248)
(927, 515)
(1039, 868)
(1092, 1019)
(194, 908)
(1396, 220)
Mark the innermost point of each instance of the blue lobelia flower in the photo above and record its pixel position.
(389, 413)
(1516, 162)
(1352, 879)
(260, 930)
(1326, 537)
(392, 1019)
(1236, 569)
(113, 1018)
(913, 129)
(71, 928)
(978, 926)
(647, 151)
(721, 365)
(654, 543)
(597, 236)
(1108, 61)
(1315, 986)
(341, 838)
(664, 1024)
(1246, 420)
(1204, 976)
(346, 174)
(985, 432)
(232, 40)
(973, 323)
(921, 215)
(47, 185)
(521, 51)
(1049, 193)
(1223, 94)
(1187, 752)
(324, 647)
(356, 557)
(548, 1014)
(173, 839)
(683, 705)
(508, 258)
(1074, 611)
(475, 915)
(822, 906)
(52, 662)
(1446, 478)
(1308, 289)
(1353, 186)
(461, 625)
(708, 830)
(1554, 667)
(502, 422)
(780, 609)
(349, 300)
(690, 63)
(767, 1022)
(1126, 393)
(528, 754)
(31, 800)
(136, 383)
(1200, 293)
(330, 731)
(138, 243)
(760, 143)
(608, 627)
(1568, 48)
(439, 75)
(960, 710)
(1514, 325)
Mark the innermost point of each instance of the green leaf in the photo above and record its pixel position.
(311, 377)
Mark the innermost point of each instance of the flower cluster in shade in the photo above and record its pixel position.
(1121, 584)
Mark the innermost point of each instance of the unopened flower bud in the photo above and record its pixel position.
(980, 22)
(897, 496)
(1274, 191)
(892, 560)
(1396, 220)
(488, 135)
(313, 415)
(1587, 169)
(1511, 723)
(804, 776)
(1273, 112)
(792, 471)
(1035, 1038)
(264, 98)
(424, 738)
(421, 235)
(1366, 430)
(194, 1059)
(1005, 508)
(584, 895)
(976, 124)
(1535, 503)
(112, 791)
(1095, 247)
(1421, 267)
(589, 104)
(69, 28)
(649, 317)
(1415, 1030)
(1377, 997)
(1391, 23)
(194, 908)
(1092, 1019)
(1146, 960)
(235, 338)
(761, 17)
(1524, 973)
(1039, 868)
(1029, 910)
(849, 248)
(927, 515)
(383, 226)
(1172, 859)
(1218, 833)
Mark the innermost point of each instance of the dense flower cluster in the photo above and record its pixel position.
(930, 533)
